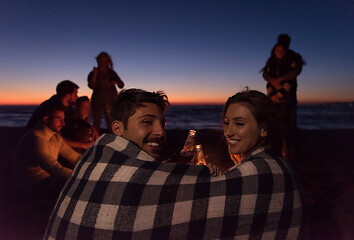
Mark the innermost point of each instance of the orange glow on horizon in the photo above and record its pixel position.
(35, 98)
(25, 99)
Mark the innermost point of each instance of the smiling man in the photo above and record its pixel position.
(143, 121)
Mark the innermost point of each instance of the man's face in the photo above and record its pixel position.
(146, 128)
(73, 97)
(56, 121)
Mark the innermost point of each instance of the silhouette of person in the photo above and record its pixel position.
(103, 80)
(277, 90)
(280, 72)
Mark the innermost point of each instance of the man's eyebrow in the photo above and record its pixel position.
(148, 115)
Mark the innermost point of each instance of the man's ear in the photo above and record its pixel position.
(45, 119)
(263, 133)
(117, 127)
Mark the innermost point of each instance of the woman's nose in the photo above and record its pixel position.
(228, 131)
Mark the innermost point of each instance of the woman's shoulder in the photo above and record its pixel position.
(260, 162)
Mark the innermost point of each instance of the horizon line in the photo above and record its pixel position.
(195, 103)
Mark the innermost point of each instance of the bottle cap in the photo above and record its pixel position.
(192, 132)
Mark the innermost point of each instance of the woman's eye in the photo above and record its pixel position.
(240, 123)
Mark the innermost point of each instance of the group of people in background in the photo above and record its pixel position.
(120, 189)
(60, 130)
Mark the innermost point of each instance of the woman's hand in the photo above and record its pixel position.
(214, 170)
(95, 71)
(93, 79)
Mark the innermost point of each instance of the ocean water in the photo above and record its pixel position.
(319, 116)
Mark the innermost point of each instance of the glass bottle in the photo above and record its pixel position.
(200, 158)
(189, 145)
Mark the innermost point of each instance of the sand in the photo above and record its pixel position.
(324, 167)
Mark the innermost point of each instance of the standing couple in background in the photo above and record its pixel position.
(280, 72)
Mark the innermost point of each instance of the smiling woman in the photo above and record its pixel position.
(252, 128)
(241, 129)
(251, 122)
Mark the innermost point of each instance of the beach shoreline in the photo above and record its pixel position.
(323, 166)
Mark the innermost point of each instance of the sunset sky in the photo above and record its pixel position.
(196, 51)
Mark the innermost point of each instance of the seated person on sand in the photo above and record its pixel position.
(79, 129)
(120, 190)
(83, 108)
(36, 166)
(66, 97)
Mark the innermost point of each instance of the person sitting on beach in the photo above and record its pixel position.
(66, 96)
(36, 166)
(120, 190)
(79, 129)
(83, 108)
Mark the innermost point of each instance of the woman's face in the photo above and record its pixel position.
(279, 52)
(241, 129)
(84, 109)
(103, 62)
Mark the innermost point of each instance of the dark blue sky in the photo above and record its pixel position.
(201, 51)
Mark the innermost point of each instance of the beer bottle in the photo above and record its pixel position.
(189, 145)
(200, 158)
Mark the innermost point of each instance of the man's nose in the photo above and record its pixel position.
(159, 129)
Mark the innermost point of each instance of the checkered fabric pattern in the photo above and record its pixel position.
(118, 191)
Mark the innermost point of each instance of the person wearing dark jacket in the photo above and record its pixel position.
(103, 80)
(280, 72)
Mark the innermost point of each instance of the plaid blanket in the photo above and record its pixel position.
(118, 191)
